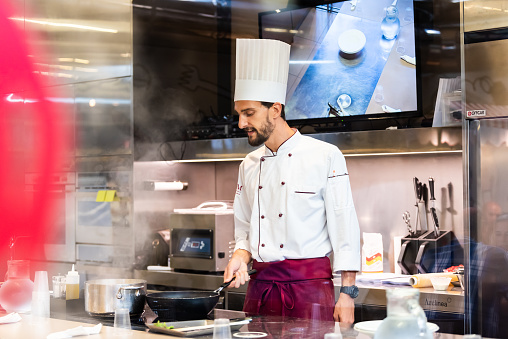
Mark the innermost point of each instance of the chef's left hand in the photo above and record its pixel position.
(344, 309)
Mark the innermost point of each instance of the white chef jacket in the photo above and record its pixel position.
(297, 204)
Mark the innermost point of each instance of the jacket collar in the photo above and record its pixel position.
(286, 146)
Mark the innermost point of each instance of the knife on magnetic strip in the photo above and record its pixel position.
(416, 184)
(433, 209)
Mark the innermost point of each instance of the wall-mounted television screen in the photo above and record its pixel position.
(349, 60)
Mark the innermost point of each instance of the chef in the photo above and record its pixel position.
(293, 205)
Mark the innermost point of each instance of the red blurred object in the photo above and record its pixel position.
(453, 269)
(31, 139)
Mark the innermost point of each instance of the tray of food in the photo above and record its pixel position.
(192, 327)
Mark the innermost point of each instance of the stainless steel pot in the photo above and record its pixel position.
(103, 296)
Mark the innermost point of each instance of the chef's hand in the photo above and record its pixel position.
(238, 267)
(344, 309)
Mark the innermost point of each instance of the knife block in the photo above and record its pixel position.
(432, 250)
(409, 251)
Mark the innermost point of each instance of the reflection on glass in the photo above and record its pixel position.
(408, 14)
(379, 95)
(401, 49)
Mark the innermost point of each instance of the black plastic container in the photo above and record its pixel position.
(409, 251)
(434, 253)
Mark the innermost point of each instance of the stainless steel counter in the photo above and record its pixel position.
(32, 327)
(450, 301)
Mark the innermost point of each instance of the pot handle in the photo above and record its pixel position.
(119, 294)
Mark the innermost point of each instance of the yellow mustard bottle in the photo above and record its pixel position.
(72, 285)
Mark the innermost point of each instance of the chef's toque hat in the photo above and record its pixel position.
(262, 68)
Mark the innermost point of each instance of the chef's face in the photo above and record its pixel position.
(491, 211)
(255, 119)
(501, 234)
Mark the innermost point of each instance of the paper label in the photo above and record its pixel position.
(476, 113)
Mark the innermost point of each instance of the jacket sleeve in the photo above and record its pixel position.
(342, 222)
(242, 212)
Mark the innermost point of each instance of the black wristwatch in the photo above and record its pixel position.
(352, 291)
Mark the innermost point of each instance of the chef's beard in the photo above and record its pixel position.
(261, 135)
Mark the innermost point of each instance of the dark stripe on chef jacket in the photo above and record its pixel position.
(339, 175)
(259, 203)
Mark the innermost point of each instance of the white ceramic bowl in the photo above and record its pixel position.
(440, 283)
(352, 41)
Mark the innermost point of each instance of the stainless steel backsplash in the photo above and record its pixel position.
(382, 190)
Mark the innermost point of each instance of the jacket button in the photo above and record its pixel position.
(283, 183)
(280, 215)
(290, 155)
(281, 246)
(262, 159)
(262, 245)
(260, 187)
(262, 217)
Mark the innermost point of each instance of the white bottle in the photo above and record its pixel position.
(72, 285)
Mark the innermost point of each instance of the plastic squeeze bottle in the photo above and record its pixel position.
(72, 285)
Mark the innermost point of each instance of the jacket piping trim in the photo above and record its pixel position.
(259, 204)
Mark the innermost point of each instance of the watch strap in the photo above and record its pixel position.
(352, 291)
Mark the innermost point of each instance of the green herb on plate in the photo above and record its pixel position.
(163, 325)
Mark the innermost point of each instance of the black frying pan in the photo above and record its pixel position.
(185, 305)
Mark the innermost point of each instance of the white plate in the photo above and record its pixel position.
(250, 335)
(352, 41)
(370, 327)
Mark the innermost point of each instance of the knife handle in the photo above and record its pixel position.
(431, 188)
(417, 193)
(425, 193)
(450, 193)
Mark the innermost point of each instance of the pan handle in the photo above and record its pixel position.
(226, 284)
(119, 294)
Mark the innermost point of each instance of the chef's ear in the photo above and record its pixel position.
(277, 109)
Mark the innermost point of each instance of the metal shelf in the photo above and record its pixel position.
(364, 143)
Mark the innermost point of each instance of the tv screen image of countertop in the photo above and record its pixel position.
(380, 78)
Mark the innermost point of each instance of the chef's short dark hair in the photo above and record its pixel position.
(270, 104)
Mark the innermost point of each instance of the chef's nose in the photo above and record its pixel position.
(242, 122)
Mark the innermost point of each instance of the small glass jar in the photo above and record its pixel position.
(59, 287)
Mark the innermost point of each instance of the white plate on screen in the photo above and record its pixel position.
(352, 41)
(250, 335)
(370, 327)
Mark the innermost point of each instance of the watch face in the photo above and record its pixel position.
(354, 291)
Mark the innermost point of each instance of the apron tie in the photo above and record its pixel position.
(285, 296)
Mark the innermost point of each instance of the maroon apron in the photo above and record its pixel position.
(299, 288)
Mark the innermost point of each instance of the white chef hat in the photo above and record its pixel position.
(262, 68)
